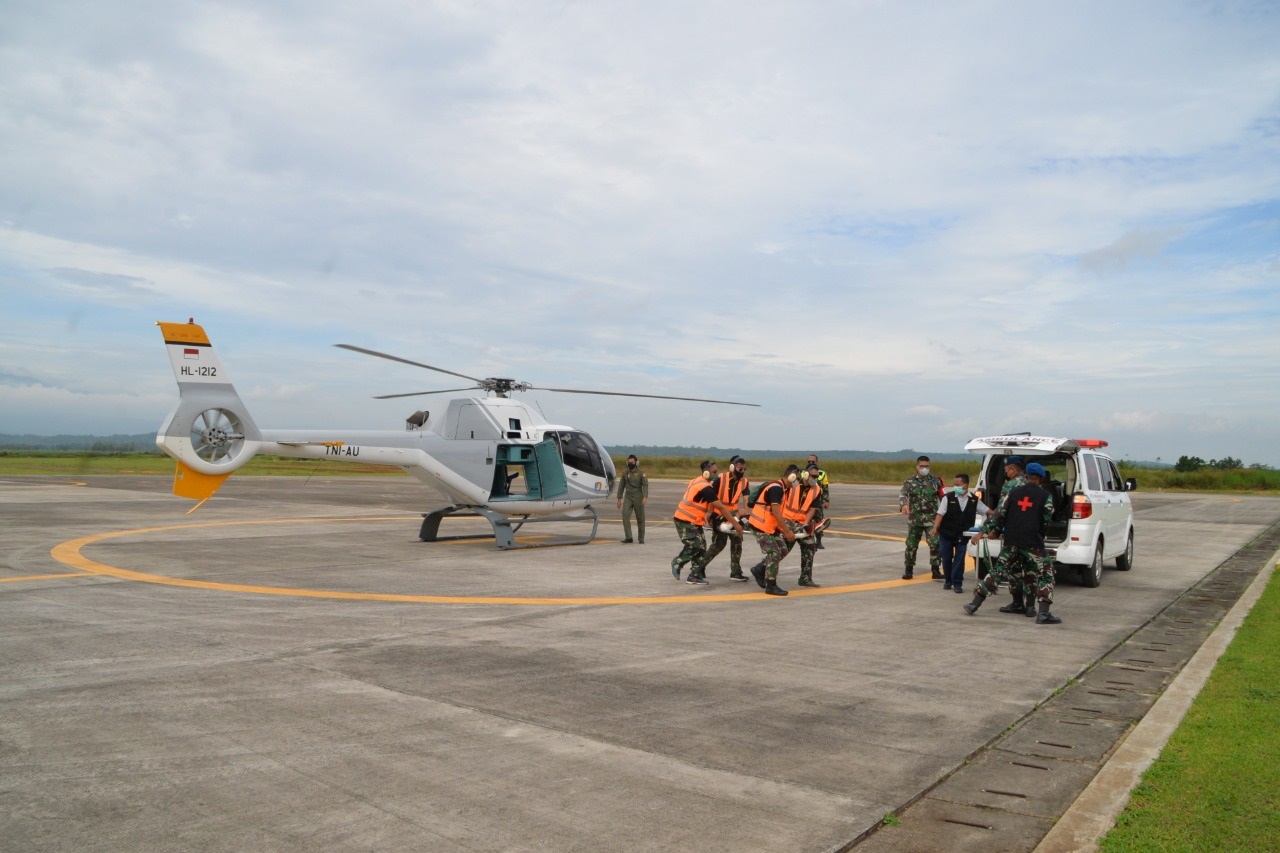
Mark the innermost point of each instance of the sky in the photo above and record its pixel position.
(891, 224)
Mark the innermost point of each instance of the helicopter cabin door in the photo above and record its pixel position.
(528, 472)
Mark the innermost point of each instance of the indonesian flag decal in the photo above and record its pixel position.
(191, 352)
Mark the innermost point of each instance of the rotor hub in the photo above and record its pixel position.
(502, 387)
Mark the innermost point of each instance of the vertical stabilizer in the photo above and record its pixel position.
(209, 432)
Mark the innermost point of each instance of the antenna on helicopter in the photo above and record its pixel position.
(501, 387)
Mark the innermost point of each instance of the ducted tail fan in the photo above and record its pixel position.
(217, 436)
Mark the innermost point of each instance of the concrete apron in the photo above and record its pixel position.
(145, 716)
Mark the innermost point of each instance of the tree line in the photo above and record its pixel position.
(1226, 463)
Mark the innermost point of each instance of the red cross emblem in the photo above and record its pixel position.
(1025, 504)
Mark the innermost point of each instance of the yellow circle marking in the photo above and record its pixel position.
(69, 554)
(44, 577)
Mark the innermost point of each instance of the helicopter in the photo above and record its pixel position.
(491, 456)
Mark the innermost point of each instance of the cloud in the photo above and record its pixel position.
(838, 211)
(1139, 243)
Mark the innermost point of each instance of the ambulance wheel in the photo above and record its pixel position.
(1091, 575)
(1125, 561)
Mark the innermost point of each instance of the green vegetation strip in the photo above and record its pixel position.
(86, 463)
(1216, 785)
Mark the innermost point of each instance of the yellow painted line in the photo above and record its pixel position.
(831, 530)
(69, 554)
(45, 577)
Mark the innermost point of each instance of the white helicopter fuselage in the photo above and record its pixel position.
(468, 457)
(492, 452)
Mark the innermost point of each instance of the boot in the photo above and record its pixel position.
(772, 588)
(978, 597)
(1015, 606)
(757, 572)
(806, 580)
(1031, 606)
(1044, 617)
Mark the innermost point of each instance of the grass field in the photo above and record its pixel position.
(1216, 785)
(85, 463)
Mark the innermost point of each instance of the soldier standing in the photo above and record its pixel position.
(633, 494)
(918, 500)
(732, 492)
(769, 526)
(691, 517)
(1026, 515)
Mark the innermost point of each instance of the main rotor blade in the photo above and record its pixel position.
(647, 396)
(422, 393)
(405, 361)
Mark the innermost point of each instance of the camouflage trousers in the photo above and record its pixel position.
(718, 541)
(1021, 568)
(917, 530)
(808, 549)
(774, 547)
(695, 547)
(818, 514)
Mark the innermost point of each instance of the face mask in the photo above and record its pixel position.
(923, 471)
(959, 490)
(631, 464)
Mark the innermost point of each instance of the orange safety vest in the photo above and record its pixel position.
(690, 510)
(795, 508)
(761, 515)
(728, 495)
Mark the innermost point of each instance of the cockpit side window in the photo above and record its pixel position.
(579, 451)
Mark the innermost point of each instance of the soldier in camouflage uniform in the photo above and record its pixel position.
(1026, 515)
(732, 491)
(802, 519)
(633, 494)
(770, 528)
(1023, 597)
(825, 503)
(690, 519)
(918, 500)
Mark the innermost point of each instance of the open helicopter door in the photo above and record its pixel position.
(521, 472)
(528, 472)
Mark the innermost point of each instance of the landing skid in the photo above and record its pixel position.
(505, 528)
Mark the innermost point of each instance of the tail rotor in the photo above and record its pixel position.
(217, 437)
